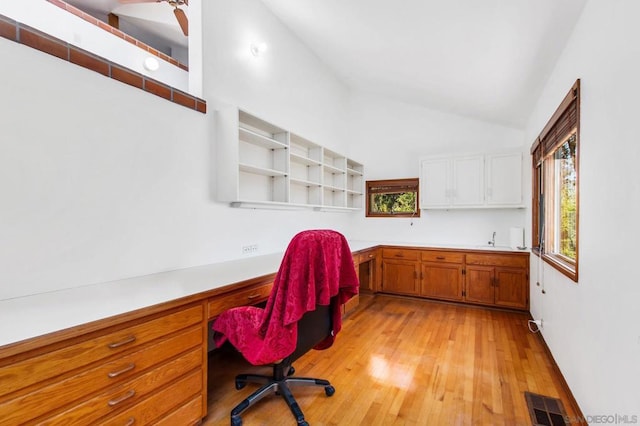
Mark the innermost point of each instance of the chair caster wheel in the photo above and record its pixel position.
(240, 385)
(329, 390)
(236, 421)
(292, 371)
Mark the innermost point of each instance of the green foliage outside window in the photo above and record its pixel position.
(565, 159)
(404, 202)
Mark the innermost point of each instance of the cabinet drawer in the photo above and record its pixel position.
(74, 388)
(250, 296)
(498, 260)
(405, 254)
(442, 256)
(368, 255)
(189, 413)
(163, 402)
(127, 394)
(39, 368)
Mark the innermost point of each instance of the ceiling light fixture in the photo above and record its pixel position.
(258, 49)
(151, 64)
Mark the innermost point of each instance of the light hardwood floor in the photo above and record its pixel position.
(401, 361)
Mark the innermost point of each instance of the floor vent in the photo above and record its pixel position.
(545, 411)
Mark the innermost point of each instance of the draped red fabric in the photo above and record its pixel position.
(317, 269)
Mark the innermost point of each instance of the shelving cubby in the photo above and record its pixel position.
(355, 184)
(306, 179)
(261, 165)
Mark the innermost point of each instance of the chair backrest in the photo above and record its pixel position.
(313, 328)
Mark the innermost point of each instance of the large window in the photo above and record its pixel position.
(555, 187)
(392, 198)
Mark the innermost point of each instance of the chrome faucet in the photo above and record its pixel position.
(493, 240)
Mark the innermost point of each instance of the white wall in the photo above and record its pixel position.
(101, 181)
(288, 85)
(390, 136)
(593, 327)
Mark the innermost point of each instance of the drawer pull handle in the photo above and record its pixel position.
(123, 342)
(370, 256)
(114, 374)
(116, 401)
(253, 296)
(440, 257)
(131, 421)
(399, 255)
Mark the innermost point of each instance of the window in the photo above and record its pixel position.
(392, 198)
(555, 187)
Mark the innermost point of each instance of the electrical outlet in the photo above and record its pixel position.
(250, 249)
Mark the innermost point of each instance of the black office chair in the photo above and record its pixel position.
(303, 312)
(313, 328)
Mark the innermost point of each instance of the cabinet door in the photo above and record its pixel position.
(504, 179)
(511, 288)
(435, 183)
(400, 277)
(443, 281)
(480, 284)
(468, 181)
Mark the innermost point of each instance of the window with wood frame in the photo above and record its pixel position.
(392, 198)
(555, 206)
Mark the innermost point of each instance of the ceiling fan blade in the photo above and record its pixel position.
(182, 20)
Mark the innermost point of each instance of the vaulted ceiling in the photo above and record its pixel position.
(486, 59)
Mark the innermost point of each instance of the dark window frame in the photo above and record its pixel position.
(563, 125)
(392, 186)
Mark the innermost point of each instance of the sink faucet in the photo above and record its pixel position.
(493, 240)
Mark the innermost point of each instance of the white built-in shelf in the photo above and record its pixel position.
(252, 137)
(248, 168)
(304, 160)
(333, 169)
(261, 165)
(303, 182)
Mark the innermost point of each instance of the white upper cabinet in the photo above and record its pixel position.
(504, 180)
(435, 183)
(261, 165)
(471, 181)
(467, 188)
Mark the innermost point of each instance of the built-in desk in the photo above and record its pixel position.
(132, 350)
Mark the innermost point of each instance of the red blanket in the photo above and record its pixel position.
(317, 269)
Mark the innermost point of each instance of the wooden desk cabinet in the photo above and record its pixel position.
(135, 372)
(499, 279)
(441, 275)
(400, 271)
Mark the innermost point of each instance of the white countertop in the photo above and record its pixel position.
(30, 316)
(35, 315)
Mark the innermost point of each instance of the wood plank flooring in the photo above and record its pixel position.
(401, 361)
